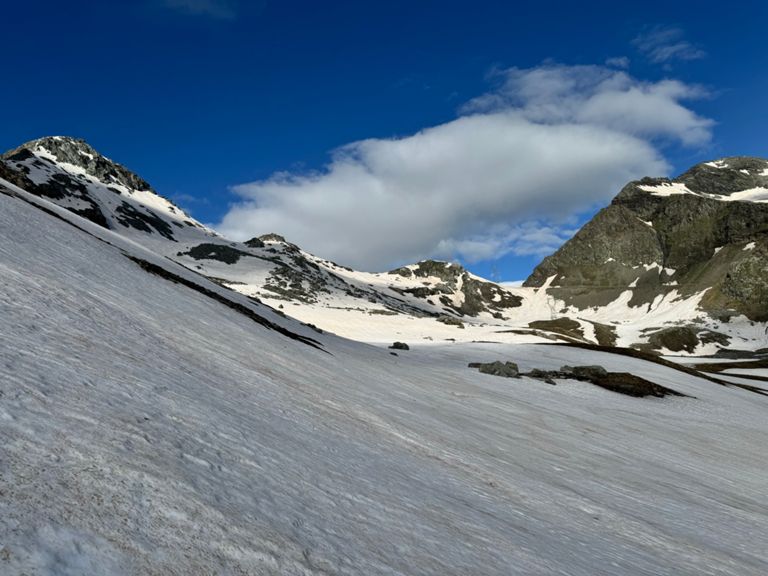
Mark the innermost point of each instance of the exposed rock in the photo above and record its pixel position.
(565, 326)
(504, 369)
(605, 334)
(220, 252)
(271, 237)
(147, 221)
(675, 339)
(589, 373)
(631, 385)
(400, 346)
(451, 321)
(254, 243)
(477, 295)
(684, 338)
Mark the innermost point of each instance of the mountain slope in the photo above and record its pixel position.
(74, 176)
(703, 235)
(148, 428)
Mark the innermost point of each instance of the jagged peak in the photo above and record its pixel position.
(272, 237)
(747, 163)
(425, 268)
(69, 151)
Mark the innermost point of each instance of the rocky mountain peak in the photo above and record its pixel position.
(705, 230)
(77, 154)
(272, 237)
(445, 271)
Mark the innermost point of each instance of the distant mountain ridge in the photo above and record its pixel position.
(69, 172)
(675, 265)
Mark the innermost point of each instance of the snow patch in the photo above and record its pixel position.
(667, 189)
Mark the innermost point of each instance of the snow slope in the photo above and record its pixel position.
(148, 428)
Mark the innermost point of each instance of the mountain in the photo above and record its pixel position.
(671, 266)
(702, 236)
(155, 421)
(73, 175)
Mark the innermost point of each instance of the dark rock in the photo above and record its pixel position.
(565, 326)
(271, 238)
(588, 373)
(400, 346)
(504, 369)
(451, 321)
(220, 252)
(404, 272)
(631, 385)
(254, 243)
(131, 217)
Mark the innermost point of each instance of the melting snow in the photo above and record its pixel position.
(667, 189)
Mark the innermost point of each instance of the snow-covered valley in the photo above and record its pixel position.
(147, 427)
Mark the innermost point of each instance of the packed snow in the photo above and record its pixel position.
(147, 428)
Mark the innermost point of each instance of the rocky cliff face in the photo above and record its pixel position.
(704, 230)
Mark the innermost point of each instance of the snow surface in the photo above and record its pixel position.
(667, 189)
(148, 429)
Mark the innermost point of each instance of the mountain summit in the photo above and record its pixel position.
(80, 156)
(69, 172)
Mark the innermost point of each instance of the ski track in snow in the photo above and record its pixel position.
(148, 429)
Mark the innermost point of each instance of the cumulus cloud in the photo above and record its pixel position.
(663, 44)
(505, 177)
(220, 9)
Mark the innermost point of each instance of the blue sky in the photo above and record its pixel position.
(234, 103)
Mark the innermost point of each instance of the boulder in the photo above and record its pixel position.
(504, 369)
(588, 373)
(400, 346)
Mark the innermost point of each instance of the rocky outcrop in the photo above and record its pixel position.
(704, 230)
(475, 294)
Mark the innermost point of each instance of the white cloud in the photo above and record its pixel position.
(618, 62)
(505, 177)
(221, 9)
(663, 44)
